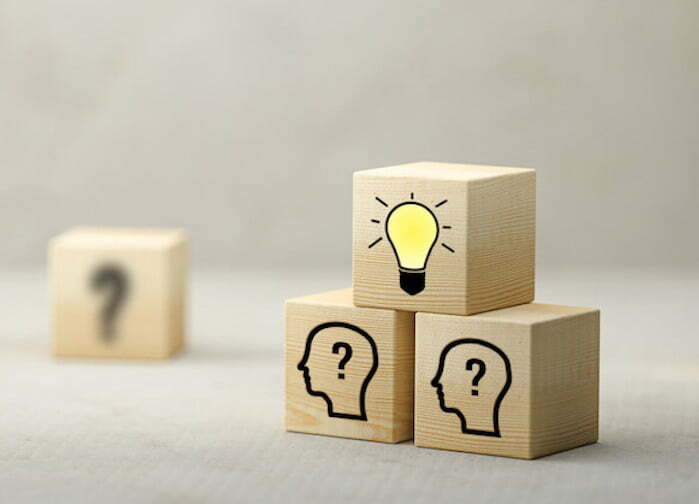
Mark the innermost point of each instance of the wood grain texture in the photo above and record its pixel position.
(551, 402)
(149, 323)
(389, 392)
(483, 258)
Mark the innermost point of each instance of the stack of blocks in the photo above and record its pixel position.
(439, 340)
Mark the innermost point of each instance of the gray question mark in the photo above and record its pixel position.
(113, 280)
(481, 371)
(345, 359)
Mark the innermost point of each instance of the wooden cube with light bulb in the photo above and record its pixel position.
(118, 292)
(349, 370)
(443, 237)
(518, 382)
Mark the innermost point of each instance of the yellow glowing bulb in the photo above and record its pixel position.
(412, 230)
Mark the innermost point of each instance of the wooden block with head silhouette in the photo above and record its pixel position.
(443, 237)
(349, 370)
(118, 292)
(519, 382)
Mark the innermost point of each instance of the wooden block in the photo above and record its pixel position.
(443, 237)
(519, 382)
(349, 370)
(118, 292)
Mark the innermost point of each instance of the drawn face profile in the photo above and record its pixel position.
(339, 361)
(472, 379)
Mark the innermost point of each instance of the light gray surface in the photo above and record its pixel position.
(207, 426)
(242, 120)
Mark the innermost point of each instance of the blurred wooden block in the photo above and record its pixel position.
(519, 382)
(443, 237)
(118, 292)
(349, 370)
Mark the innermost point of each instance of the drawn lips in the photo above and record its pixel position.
(440, 393)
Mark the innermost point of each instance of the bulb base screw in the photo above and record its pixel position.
(412, 282)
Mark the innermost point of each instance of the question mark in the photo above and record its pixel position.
(481, 371)
(345, 359)
(115, 281)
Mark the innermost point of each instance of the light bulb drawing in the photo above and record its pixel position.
(412, 229)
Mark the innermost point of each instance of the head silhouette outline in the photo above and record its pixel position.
(339, 361)
(474, 399)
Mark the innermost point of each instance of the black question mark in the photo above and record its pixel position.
(345, 359)
(115, 281)
(481, 371)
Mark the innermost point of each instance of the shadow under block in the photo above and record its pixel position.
(518, 382)
(474, 224)
(349, 370)
(118, 292)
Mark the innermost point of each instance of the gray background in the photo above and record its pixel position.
(243, 121)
